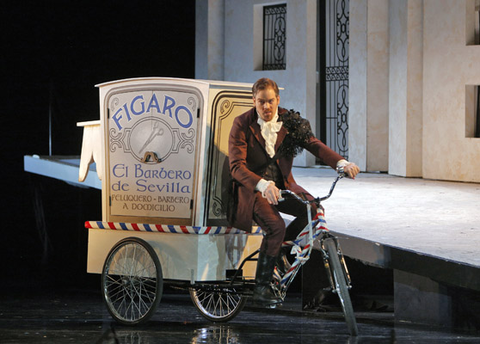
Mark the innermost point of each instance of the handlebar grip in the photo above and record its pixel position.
(341, 172)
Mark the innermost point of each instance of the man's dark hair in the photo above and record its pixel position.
(264, 83)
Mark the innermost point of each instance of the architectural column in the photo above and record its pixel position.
(210, 39)
(406, 86)
(369, 75)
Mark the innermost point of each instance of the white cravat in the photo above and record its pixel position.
(269, 132)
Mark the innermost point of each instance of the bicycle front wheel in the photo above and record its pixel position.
(341, 288)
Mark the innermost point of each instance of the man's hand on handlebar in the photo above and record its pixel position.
(348, 168)
(351, 169)
(272, 194)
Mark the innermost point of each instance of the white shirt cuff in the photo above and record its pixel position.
(342, 163)
(262, 185)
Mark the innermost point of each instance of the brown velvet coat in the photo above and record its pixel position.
(247, 154)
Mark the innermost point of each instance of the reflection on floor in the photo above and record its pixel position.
(39, 314)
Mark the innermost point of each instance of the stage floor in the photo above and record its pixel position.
(78, 315)
(433, 218)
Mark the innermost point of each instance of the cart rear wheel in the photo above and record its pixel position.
(217, 303)
(132, 281)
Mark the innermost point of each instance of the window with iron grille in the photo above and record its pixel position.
(274, 37)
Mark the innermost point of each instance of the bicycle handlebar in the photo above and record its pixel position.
(317, 200)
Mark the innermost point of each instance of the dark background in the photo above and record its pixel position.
(53, 55)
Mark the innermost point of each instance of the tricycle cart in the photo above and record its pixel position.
(161, 149)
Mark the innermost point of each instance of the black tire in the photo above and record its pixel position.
(341, 286)
(132, 281)
(217, 303)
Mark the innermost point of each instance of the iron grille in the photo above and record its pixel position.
(336, 75)
(274, 37)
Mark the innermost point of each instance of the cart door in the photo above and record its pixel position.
(151, 137)
(226, 106)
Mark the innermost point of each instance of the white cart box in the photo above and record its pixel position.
(163, 159)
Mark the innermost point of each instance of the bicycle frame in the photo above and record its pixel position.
(312, 236)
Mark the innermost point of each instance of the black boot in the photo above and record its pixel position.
(262, 293)
(282, 263)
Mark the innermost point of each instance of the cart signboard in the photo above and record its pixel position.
(151, 136)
